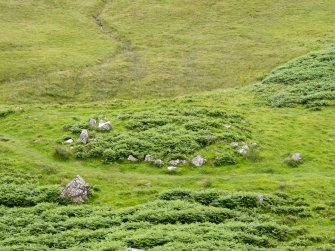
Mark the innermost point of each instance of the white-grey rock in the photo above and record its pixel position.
(244, 150)
(69, 141)
(171, 168)
(234, 144)
(92, 122)
(148, 158)
(297, 157)
(176, 162)
(77, 190)
(132, 158)
(330, 139)
(83, 138)
(260, 199)
(198, 161)
(134, 249)
(104, 126)
(159, 162)
(227, 126)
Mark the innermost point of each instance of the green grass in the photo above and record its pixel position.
(63, 62)
(149, 49)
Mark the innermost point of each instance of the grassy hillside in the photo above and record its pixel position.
(183, 70)
(65, 51)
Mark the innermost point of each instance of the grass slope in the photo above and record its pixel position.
(103, 49)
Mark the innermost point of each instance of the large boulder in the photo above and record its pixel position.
(104, 126)
(198, 161)
(77, 190)
(83, 138)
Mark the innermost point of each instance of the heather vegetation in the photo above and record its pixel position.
(177, 80)
(308, 80)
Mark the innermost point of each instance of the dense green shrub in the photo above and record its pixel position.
(307, 80)
(224, 159)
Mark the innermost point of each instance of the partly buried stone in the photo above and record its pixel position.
(260, 199)
(69, 141)
(159, 162)
(132, 158)
(148, 158)
(234, 144)
(92, 122)
(244, 150)
(171, 168)
(297, 157)
(104, 126)
(77, 190)
(176, 162)
(198, 161)
(83, 138)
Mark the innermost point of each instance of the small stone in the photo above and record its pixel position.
(132, 158)
(297, 157)
(77, 190)
(68, 141)
(83, 138)
(134, 249)
(227, 126)
(176, 162)
(104, 126)
(260, 199)
(148, 158)
(244, 150)
(330, 139)
(171, 168)
(37, 140)
(198, 161)
(234, 144)
(159, 162)
(92, 122)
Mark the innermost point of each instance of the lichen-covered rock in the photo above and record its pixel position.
(171, 168)
(83, 138)
(77, 190)
(244, 150)
(159, 162)
(132, 158)
(104, 126)
(198, 161)
(92, 122)
(176, 162)
(148, 158)
(297, 157)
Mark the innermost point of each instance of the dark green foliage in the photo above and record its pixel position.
(165, 134)
(179, 220)
(224, 159)
(62, 152)
(308, 80)
(12, 195)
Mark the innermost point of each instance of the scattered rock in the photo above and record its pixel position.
(227, 126)
(92, 122)
(198, 161)
(330, 139)
(254, 144)
(171, 168)
(244, 150)
(77, 190)
(148, 158)
(234, 144)
(68, 141)
(83, 138)
(260, 199)
(176, 162)
(159, 162)
(37, 140)
(297, 157)
(134, 249)
(104, 126)
(132, 158)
